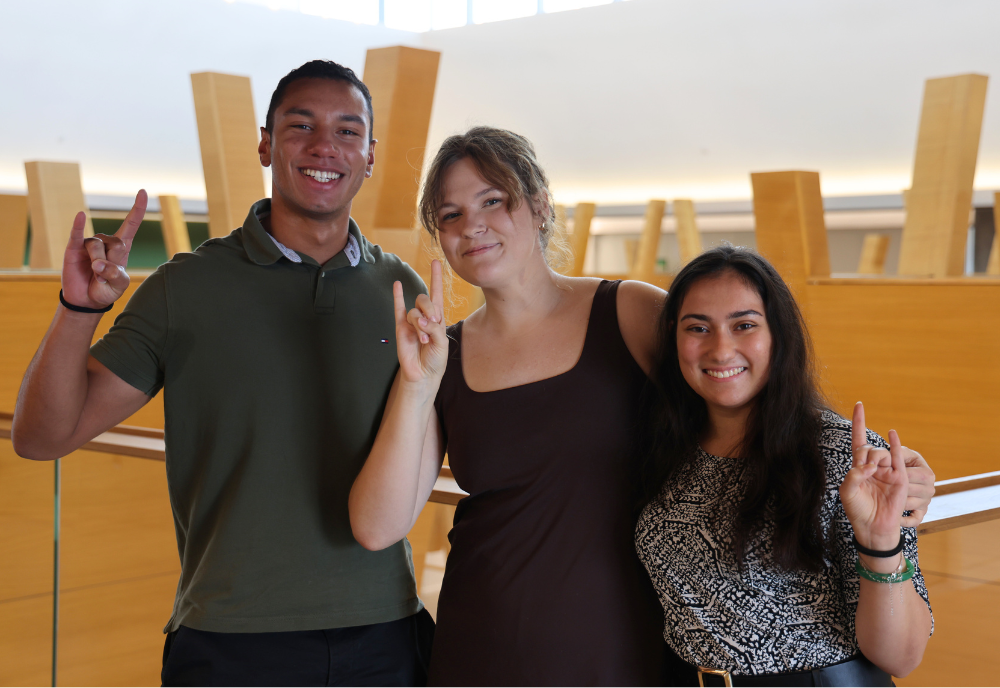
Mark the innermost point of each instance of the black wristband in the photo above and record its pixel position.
(880, 554)
(81, 309)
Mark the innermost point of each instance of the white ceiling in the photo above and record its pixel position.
(625, 102)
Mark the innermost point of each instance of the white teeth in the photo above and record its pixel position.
(725, 373)
(321, 176)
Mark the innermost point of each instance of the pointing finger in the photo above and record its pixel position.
(76, 232)
(437, 291)
(859, 436)
(896, 452)
(399, 305)
(134, 218)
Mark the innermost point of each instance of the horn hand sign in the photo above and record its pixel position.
(93, 273)
(421, 342)
(875, 489)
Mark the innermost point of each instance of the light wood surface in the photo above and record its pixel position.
(790, 228)
(873, 252)
(583, 215)
(912, 349)
(175, 229)
(27, 302)
(228, 135)
(402, 81)
(993, 266)
(13, 230)
(644, 265)
(962, 571)
(940, 197)
(55, 196)
(688, 237)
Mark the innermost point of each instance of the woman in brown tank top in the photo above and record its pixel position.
(534, 397)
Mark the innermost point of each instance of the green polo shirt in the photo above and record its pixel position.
(274, 377)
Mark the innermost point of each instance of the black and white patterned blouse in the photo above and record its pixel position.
(765, 620)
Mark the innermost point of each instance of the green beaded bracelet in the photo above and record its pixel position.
(894, 577)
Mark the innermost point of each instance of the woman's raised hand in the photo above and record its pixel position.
(93, 273)
(421, 342)
(875, 489)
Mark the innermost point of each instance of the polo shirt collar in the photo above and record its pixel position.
(262, 249)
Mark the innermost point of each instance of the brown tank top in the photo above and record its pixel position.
(542, 585)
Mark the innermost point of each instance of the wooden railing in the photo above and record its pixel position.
(957, 502)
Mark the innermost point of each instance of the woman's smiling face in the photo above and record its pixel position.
(723, 342)
(483, 242)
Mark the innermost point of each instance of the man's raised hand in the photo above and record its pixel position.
(421, 342)
(93, 273)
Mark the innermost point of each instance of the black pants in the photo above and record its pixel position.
(395, 653)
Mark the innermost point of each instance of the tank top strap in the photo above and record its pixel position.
(604, 336)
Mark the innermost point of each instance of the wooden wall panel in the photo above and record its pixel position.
(940, 197)
(402, 82)
(644, 265)
(913, 353)
(26, 641)
(912, 350)
(28, 302)
(26, 518)
(873, 252)
(688, 236)
(175, 231)
(13, 230)
(120, 568)
(582, 217)
(961, 570)
(55, 196)
(228, 134)
(993, 266)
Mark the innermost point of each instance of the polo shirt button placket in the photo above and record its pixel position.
(326, 292)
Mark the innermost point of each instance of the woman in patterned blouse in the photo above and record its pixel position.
(755, 490)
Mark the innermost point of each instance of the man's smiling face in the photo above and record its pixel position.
(320, 149)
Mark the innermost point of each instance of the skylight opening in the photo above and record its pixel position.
(424, 15)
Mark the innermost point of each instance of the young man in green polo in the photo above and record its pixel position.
(275, 348)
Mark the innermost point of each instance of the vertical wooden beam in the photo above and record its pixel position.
(175, 229)
(937, 207)
(583, 214)
(790, 227)
(644, 264)
(993, 266)
(55, 196)
(873, 253)
(688, 236)
(13, 230)
(402, 82)
(228, 133)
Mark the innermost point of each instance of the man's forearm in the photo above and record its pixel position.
(54, 390)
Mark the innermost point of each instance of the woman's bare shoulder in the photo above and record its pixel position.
(639, 308)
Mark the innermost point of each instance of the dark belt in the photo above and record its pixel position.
(856, 671)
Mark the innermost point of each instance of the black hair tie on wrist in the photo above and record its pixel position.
(81, 309)
(878, 553)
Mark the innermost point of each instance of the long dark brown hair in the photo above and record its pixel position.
(784, 475)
